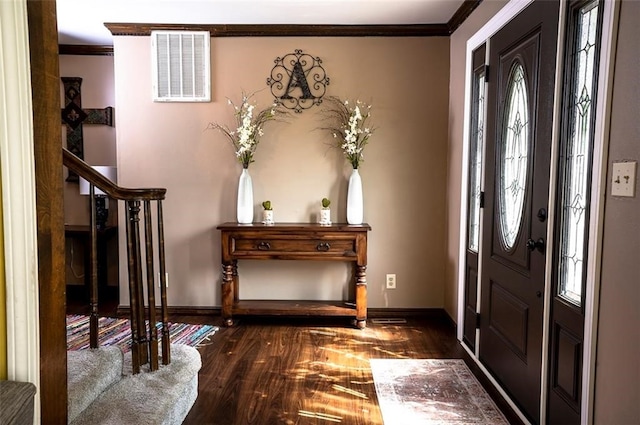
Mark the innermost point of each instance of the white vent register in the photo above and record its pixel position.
(181, 70)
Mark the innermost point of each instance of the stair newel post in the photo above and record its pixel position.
(138, 351)
(93, 286)
(166, 350)
(151, 299)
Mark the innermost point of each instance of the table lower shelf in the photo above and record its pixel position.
(294, 308)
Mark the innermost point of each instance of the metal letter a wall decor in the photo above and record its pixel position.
(298, 81)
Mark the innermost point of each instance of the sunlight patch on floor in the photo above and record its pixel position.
(368, 382)
(349, 391)
(317, 415)
(339, 366)
(327, 377)
(344, 353)
(391, 353)
(319, 332)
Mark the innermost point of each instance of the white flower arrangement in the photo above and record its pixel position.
(352, 128)
(249, 127)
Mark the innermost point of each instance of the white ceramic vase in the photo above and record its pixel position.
(355, 202)
(245, 198)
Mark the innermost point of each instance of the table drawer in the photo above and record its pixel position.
(276, 245)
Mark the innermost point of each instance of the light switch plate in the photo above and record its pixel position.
(623, 181)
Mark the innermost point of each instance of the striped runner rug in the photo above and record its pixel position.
(113, 331)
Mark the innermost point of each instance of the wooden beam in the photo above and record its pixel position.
(45, 83)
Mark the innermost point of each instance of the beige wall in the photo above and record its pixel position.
(404, 173)
(478, 18)
(618, 371)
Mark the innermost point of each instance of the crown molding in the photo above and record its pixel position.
(216, 30)
(462, 14)
(85, 49)
(280, 30)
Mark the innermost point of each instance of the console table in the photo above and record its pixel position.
(294, 241)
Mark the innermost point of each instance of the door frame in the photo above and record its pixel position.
(610, 11)
(18, 200)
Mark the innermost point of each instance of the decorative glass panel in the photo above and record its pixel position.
(575, 159)
(475, 162)
(514, 156)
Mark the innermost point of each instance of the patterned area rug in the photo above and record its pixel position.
(113, 331)
(431, 392)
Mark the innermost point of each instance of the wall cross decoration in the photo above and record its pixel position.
(74, 117)
(298, 81)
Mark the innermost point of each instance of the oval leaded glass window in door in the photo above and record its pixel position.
(513, 159)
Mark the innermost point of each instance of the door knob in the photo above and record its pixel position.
(533, 245)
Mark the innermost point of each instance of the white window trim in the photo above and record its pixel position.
(610, 11)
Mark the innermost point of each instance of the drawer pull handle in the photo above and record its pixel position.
(264, 246)
(323, 246)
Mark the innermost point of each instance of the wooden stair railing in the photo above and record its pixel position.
(144, 334)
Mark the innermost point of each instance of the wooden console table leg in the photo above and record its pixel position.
(361, 296)
(236, 290)
(228, 283)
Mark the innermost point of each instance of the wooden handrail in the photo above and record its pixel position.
(144, 334)
(114, 191)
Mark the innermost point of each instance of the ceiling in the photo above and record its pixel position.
(82, 21)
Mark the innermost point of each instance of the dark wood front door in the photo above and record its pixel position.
(518, 149)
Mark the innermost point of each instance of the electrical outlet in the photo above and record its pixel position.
(391, 281)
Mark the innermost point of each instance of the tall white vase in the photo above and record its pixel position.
(355, 203)
(245, 198)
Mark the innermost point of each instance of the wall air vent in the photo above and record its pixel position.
(180, 61)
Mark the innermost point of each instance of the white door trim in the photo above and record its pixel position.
(18, 198)
(610, 10)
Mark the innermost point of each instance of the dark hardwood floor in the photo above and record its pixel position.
(307, 371)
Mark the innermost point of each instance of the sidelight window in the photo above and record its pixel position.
(475, 159)
(576, 151)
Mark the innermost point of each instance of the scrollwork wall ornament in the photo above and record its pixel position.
(298, 81)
